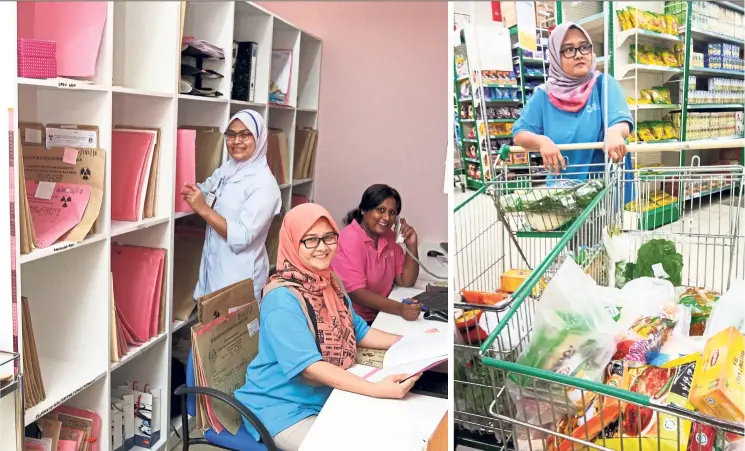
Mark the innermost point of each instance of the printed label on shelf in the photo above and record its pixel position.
(33, 135)
(70, 156)
(67, 84)
(45, 190)
(253, 327)
(65, 137)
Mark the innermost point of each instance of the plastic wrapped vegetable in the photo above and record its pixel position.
(587, 191)
(659, 258)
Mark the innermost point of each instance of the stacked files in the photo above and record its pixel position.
(188, 242)
(138, 277)
(186, 142)
(61, 184)
(306, 142)
(412, 354)
(136, 411)
(134, 173)
(33, 384)
(272, 239)
(67, 428)
(224, 342)
(208, 150)
(277, 156)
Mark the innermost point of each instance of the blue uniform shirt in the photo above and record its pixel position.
(274, 390)
(585, 126)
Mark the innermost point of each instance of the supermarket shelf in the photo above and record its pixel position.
(600, 62)
(733, 5)
(648, 69)
(718, 138)
(716, 72)
(710, 36)
(653, 106)
(708, 193)
(644, 36)
(530, 61)
(714, 106)
(595, 25)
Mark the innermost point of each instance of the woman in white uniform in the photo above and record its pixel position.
(238, 202)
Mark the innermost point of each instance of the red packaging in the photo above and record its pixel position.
(702, 438)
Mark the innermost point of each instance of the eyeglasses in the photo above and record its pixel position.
(314, 241)
(242, 136)
(571, 52)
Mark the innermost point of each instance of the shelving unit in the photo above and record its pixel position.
(137, 84)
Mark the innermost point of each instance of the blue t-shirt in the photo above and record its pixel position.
(274, 390)
(585, 126)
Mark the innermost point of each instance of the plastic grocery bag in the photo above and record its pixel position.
(573, 335)
(728, 311)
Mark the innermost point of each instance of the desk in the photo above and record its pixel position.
(350, 421)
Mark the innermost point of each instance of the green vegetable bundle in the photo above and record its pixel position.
(655, 258)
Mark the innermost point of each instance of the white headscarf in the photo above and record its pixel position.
(257, 126)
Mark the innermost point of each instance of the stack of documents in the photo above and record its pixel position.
(306, 142)
(227, 332)
(138, 277)
(34, 385)
(134, 173)
(413, 354)
(277, 156)
(208, 150)
(67, 429)
(186, 144)
(135, 416)
(272, 238)
(61, 175)
(201, 48)
(188, 242)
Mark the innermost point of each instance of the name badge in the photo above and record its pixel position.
(210, 199)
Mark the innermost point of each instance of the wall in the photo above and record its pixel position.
(383, 104)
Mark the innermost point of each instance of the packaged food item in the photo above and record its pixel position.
(669, 131)
(671, 25)
(633, 53)
(703, 438)
(645, 134)
(663, 95)
(668, 58)
(700, 301)
(658, 130)
(646, 429)
(719, 383)
(647, 335)
(632, 15)
(623, 19)
(656, 22)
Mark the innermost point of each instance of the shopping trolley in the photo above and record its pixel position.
(492, 237)
(701, 215)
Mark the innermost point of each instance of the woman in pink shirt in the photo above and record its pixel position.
(369, 261)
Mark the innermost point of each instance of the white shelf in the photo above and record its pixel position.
(644, 36)
(137, 84)
(649, 69)
(651, 106)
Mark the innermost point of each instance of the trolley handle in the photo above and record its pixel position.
(707, 144)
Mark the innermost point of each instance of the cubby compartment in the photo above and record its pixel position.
(87, 57)
(309, 72)
(286, 37)
(67, 296)
(144, 48)
(253, 24)
(134, 111)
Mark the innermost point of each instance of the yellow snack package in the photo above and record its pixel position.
(646, 21)
(664, 94)
(671, 25)
(658, 130)
(655, 57)
(623, 20)
(645, 134)
(643, 56)
(645, 97)
(669, 131)
(634, 16)
(718, 387)
(668, 58)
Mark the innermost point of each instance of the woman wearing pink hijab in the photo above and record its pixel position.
(309, 335)
(570, 108)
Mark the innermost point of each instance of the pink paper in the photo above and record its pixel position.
(70, 156)
(54, 217)
(67, 445)
(76, 27)
(186, 142)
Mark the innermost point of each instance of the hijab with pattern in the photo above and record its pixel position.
(320, 290)
(257, 126)
(566, 92)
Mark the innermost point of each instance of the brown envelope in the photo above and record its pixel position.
(209, 148)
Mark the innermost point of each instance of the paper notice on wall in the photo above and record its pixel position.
(55, 215)
(526, 33)
(489, 48)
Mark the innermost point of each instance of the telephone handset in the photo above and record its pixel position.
(397, 229)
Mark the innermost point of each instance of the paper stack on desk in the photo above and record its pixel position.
(413, 354)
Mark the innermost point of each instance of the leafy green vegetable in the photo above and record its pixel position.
(624, 273)
(659, 252)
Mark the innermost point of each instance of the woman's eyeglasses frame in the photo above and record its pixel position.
(329, 240)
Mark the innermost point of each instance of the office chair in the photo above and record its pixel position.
(241, 441)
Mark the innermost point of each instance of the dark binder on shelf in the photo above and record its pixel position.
(244, 71)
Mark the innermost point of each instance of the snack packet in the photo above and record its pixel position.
(645, 134)
(647, 335)
(700, 301)
(668, 58)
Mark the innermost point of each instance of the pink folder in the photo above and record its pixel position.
(131, 159)
(93, 417)
(186, 142)
(55, 216)
(138, 274)
(76, 27)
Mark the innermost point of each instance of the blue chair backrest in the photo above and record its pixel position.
(191, 399)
